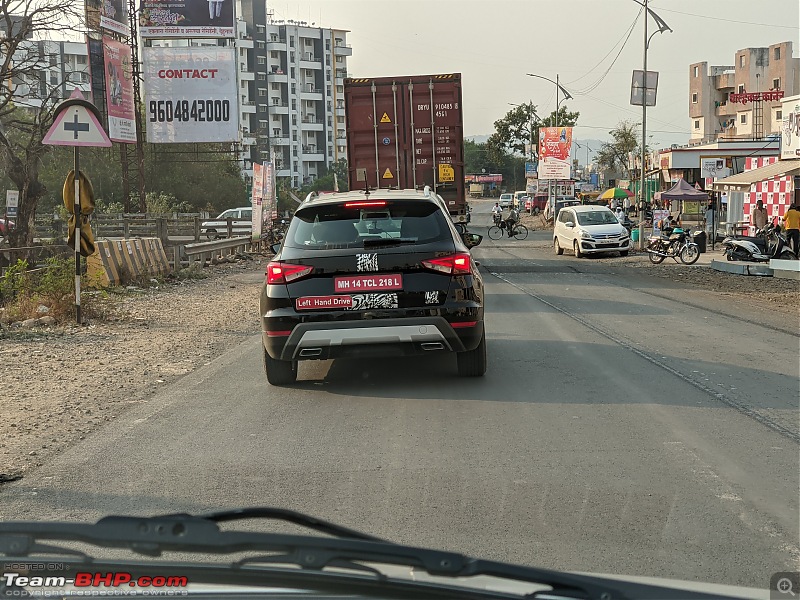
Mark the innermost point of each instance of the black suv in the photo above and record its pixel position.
(372, 274)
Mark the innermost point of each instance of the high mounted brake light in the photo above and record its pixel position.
(454, 264)
(362, 204)
(279, 272)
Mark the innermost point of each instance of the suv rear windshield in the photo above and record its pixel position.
(349, 225)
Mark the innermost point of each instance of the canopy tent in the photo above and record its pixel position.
(683, 191)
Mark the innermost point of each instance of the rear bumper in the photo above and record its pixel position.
(373, 338)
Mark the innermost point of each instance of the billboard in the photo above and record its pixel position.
(111, 15)
(555, 145)
(186, 18)
(119, 91)
(190, 95)
(257, 198)
(790, 128)
(97, 75)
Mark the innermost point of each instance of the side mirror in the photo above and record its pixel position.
(275, 248)
(569, 224)
(471, 239)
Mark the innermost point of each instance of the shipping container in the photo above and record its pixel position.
(407, 133)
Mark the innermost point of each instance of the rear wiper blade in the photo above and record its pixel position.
(152, 536)
(388, 241)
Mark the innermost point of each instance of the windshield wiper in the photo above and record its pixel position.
(152, 536)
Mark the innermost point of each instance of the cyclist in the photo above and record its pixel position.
(511, 220)
(497, 212)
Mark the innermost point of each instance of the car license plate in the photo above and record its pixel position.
(363, 283)
(323, 302)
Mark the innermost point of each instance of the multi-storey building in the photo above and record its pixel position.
(739, 101)
(52, 69)
(291, 88)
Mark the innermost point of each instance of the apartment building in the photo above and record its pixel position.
(742, 101)
(292, 94)
(53, 69)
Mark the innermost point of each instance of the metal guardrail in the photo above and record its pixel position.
(207, 250)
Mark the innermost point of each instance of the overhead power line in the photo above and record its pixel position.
(717, 18)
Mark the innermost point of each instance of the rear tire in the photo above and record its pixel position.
(576, 248)
(557, 247)
(787, 255)
(280, 372)
(655, 258)
(495, 233)
(520, 232)
(472, 363)
(211, 234)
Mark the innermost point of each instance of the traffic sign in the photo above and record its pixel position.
(76, 124)
(12, 202)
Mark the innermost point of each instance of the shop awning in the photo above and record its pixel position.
(742, 181)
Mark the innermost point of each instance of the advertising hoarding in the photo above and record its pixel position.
(555, 146)
(257, 198)
(111, 15)
(119, 91)
(186, 18)
(190, 95)
(269, 205)
(790, 128)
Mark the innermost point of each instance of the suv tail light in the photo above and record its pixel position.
(279, 272)
(454, 264)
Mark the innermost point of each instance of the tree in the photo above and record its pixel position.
(23, 127)
(613, 155)
(521, 125)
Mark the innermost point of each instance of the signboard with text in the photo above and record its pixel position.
(555, 145)
(186, 18)
(119, 91)
(257, 198)
(790, 128)
(12, 202)
(111, 15)
(190, 95)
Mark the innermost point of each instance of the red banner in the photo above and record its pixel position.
(555, 145)
(119, 91)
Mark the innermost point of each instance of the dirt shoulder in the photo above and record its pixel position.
(60, 383)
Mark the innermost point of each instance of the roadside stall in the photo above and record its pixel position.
(692, 204)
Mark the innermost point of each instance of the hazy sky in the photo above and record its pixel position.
(494, 43)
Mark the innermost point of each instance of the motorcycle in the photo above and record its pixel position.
(676, 244)
(497, 218)
(767, 244)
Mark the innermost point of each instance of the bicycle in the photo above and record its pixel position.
(520, 232)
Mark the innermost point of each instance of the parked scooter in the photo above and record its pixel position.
(769, 243)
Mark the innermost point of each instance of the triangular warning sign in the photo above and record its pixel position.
(385, 118)
(387, 174)
(76, 125)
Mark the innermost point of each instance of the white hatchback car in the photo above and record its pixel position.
(506, 200)
(589, 230)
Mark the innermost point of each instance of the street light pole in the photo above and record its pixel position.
(662, 27)
(567, 96)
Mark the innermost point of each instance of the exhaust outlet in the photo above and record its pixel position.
(432, 346)
(310, 351)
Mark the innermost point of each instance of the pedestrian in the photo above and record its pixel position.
(627, 204)
(758, 217)
(710, 220)
(614, 204)
(791, 223)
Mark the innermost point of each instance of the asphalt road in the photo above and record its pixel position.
(616, 431)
